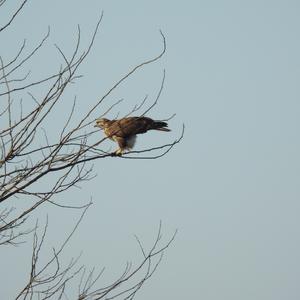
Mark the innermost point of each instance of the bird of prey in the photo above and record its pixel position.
(124, 131)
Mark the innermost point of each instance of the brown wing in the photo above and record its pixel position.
(129, 126)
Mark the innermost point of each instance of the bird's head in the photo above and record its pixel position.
(101, 123)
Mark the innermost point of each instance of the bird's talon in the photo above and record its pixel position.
(116, 153)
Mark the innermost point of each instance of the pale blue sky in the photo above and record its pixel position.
(231, 187)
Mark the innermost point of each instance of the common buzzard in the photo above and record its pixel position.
(124, 131)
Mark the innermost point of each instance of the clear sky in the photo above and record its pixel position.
(231, 187)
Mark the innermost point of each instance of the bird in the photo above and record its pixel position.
(123, 131)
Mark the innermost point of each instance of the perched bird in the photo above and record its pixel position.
(124, 131)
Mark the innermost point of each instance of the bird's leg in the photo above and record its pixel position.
(118, 152)
(122, 144)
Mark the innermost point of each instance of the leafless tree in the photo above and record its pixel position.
(27, 157)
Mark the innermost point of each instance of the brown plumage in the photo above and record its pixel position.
(124, 131)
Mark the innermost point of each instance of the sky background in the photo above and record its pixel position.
(231, 187)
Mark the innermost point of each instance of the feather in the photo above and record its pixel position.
(130, 142)
(124, 131)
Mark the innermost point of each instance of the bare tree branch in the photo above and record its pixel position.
(13, 16)
(29, 154)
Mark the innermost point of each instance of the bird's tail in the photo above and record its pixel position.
(160, 125)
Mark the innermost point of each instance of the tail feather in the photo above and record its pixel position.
(160, 125)
(163, 129)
